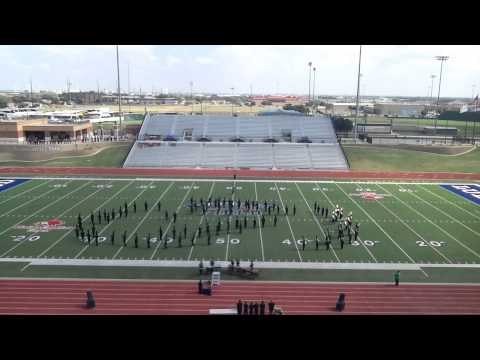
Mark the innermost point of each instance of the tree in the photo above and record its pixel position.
(4, 101)
(341, 124)
(300, 108)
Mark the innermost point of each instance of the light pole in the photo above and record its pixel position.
(309, 76)
(313, 89)
(232, 99)
(441, 59)
(431, 88)
(191, 94)
(119, 94)
(358, 93)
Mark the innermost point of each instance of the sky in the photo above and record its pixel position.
(270, 69)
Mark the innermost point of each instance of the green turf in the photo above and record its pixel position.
(411, 224)
(109, 157)
(384, 159)
(459, 124)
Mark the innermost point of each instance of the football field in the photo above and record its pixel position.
(429, 230)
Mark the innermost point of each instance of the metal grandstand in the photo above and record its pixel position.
(265, 142)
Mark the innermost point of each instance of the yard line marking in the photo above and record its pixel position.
(68, 232)
(171, 221)
(412, 230)
(23, 241)
(451, 202)
(259, 228)
(443, 212)
(316, 220)
(28, 202)
(60, 215)
(228, 235)
(108, 225)
(26, 191)
(84, 218)
(433, 223)
(381, 228)
(143, 219)
(200, 224)
(46, 206)
(361, 242)
(288, 222)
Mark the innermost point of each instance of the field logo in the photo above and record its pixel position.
(469, 192)
(369, 195)
(6, 184)
(45, 226)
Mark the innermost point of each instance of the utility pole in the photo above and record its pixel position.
(358, 94)
(441, 59)
(232, 99)
(119, 94)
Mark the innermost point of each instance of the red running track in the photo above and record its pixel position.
(244, 173)
(56, 297)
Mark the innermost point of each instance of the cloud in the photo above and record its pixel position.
(387, 70)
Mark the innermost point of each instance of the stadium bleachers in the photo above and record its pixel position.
(323, 151)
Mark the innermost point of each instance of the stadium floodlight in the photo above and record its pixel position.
(191, 94)
(313, 87)
(431, 90)
(119, 93)
(358, 94)
(441, 59)
(309, 76)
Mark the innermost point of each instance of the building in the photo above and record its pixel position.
(399, 109)
(18, 131)
(345, 109)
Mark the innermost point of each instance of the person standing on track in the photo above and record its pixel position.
(397, 278)
(271, 307)
(136, 240)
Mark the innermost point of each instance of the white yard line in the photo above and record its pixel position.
(86, 217)
(200, 224)
(359, 238)
(43, 208)
(145, 217)
(431, 222)
(29, 201)
(23, 241)
(450, 202)
(315, 218)
(381, 228)
(412, 230)
(259, 228)
(26, 191)
(288, 222)
(60, 215)
(446, 214)
(111, 222)
(171, 221)
(228, 235)
(206, 179)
